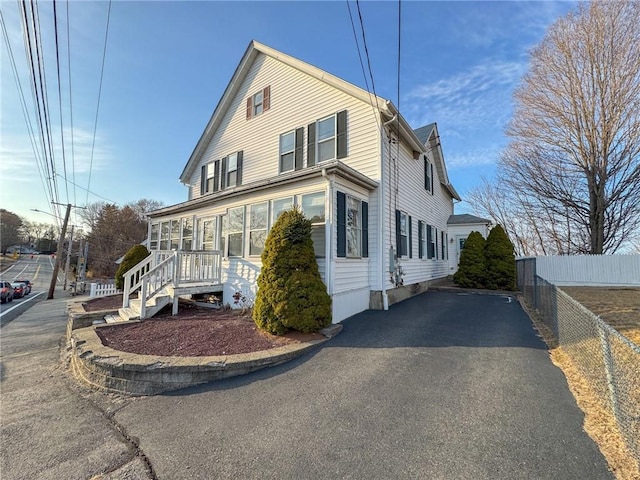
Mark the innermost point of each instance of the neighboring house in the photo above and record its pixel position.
(286, 134)
(459, 228)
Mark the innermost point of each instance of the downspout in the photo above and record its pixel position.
(382, 218)
(328, 234)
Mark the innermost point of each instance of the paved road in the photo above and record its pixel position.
(50, 427)
(442, 386)
(38, 269)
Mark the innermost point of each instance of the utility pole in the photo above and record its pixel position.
(69, 250)
(56, 265)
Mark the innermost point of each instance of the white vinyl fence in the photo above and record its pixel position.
(103, 289)
(590, 270)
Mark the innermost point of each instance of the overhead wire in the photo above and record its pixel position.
(36, 93)
(364, 74)
(95, 125)
(73, 155)
(44, 96)
(23, 104)
(64, 157)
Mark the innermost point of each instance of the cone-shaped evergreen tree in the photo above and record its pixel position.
(291, 294)
(501, 261)
(472, 266)
(135, 255)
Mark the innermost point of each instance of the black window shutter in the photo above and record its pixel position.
(342, 134)
(429, 249)
(299, 147)
(398, 235)
(203, 179)
(266, 98)
(365, 229)
(342, 225)
(420, 240)
(431, 168)
(223, 174)
(410, 240)
(216, 175)
(311, 144)
(249, 107)
(427, 182)
(239, 171)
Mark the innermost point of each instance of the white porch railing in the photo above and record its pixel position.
(175, 267)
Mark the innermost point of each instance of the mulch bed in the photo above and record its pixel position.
(196, 331)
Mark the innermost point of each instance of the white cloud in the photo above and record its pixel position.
(480, 94)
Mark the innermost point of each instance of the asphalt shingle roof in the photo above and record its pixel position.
(465, 218)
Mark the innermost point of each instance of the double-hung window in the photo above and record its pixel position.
(209, 229)
(353, 226)
(431, 241)
(312, 206)
(327, 138)
(259, 102)
(258, 227)
(164, 236)
(403, 234)
(287, 151)
(175, 234)
(186, 238)
(235, 231)
(232, 170)
(443, 245)
(279, 206)
(154, 238)
(422, 239)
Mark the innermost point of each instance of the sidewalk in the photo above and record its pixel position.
(50, 428)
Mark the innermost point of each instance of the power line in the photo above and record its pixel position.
(73, 155)
(64, 157)
(95, 125)
(23, 103)
(364, 74)
(366, 51)
(92, 193)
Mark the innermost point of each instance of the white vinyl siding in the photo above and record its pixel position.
(301, 100)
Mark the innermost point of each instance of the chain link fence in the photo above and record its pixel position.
(608, 361)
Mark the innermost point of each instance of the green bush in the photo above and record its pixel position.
(135, 255)
(472, 266)
(291, 294)
(501, 261)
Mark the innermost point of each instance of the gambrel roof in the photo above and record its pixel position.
(385, 107)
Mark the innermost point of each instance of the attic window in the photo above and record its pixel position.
(259, 102)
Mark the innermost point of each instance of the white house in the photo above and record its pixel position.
(285, 134)
(459, 227)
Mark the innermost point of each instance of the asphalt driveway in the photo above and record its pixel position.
(442, 386)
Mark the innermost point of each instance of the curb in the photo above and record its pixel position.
(138, 375)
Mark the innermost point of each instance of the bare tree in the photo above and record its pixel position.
(574, 156)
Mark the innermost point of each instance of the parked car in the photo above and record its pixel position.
(18, 289)
(6, 292)
(27, 284)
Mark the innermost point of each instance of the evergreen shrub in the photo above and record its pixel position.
(135, 255)
(291, 294)
(472, 266)
(501, 261)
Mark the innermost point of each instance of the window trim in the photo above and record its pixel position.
(266, 225)
(292, 151)
(228, 232)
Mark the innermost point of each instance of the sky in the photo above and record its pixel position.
(166, 65)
